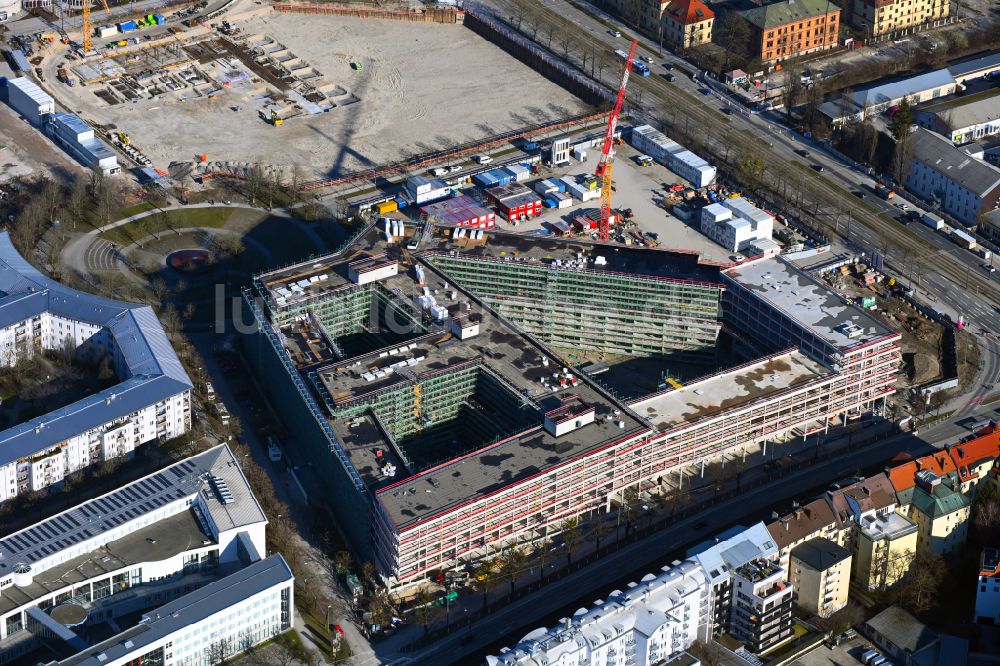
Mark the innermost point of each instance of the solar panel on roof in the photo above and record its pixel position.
(72, 520)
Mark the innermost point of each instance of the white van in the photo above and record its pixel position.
(483, 159)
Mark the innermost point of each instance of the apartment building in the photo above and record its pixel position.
(815, 520)
(187, 541)
(965, 187)
(761, 615)
(931, 500)
(877, 98)
(884, 548)
(820, 572)
(644, 625)
(536, 443)
(150, 402)
(792, 28)
(988, 588)
(879, 17)
(687, 23)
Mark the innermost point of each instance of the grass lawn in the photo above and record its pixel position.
(171, 219)
(140, 207)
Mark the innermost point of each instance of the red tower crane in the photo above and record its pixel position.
(603, 172)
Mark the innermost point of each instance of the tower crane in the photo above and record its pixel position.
(603, 172)
(88, 29)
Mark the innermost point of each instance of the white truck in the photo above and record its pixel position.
(935, 222)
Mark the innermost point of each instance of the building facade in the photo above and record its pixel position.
(963, 122)
(988, 588)
(176, 536)
(645, 625)
(687, 23)
(151, 402)
(879, 17)
(792, 28)
(966, 187)
(820, 572)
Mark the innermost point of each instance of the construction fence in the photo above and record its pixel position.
(434, 15)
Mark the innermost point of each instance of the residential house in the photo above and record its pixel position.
(820, 572)
(878, 17)
(687, 23)
(814, 520)
(974, 460)
(792, 28)
(988, 589)
(901, 637)
(865, 499)
(884, 547)
(966, 187)
(940, 512)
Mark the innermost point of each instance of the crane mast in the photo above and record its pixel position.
(603, 172)
(88, 28)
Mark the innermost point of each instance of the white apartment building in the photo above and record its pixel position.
(152, 400)
(206, 626)
(736, 224)
(148, 542)
(657, 618)
(643, 625)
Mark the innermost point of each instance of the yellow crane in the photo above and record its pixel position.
(88, 29)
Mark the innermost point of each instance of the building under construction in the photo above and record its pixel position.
(423, 386)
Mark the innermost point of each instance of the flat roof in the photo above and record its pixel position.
(807, 301)
(990, 62)
(728, 390)
(643, 262)
(30, 88)
(500, 349)
(153, 543)
(95, 517)
(887, 526)
(190, 609)
(152, 370)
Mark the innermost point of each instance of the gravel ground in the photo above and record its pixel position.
(423, 86)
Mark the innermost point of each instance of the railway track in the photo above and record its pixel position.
(896, 242)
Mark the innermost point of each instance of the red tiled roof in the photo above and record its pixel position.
(975, 452)
(689, 11)
(903, 477)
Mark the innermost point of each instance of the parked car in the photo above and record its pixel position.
(614, 33)
(483, 159)
(819, 167)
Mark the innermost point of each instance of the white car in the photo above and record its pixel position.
(989, 269)
(484, 159)
(440, 171)
(455, 168)
(648, 59)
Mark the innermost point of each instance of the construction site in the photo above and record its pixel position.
(442, 384)
(326, 92)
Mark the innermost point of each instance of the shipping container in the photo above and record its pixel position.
(18, 60)
(126, 26)
(401, 202)
(933, 221)
(386, 207)
(964, 239)
(159, 18)
(25, 97)
(484, 180)
(106, 31)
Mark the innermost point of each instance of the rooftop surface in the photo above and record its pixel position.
(806, 300)
(499, 348)
(739, 547)
(646, 262)
(802, 521)
(190, 609)
(152, 369)
(889, 526)
(902, 629)
(88, 521)
(788, 11)
(820, 554)
(953, 163)
(728, 390)
(154, 543)
(987, 62)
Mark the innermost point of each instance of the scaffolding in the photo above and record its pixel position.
(596, 310)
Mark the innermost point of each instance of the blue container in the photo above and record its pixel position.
(401, 202)
(127, 26)
(507, 172)
(484, 180)
(550, 203)
(159, 18)
(560, 185)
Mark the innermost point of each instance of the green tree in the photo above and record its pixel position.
(900, 126)
(511, 564)
(571, 535)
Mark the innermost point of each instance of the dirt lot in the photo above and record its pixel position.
(422, 87)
